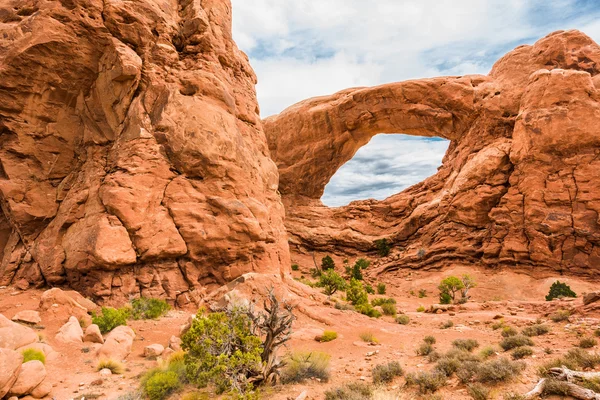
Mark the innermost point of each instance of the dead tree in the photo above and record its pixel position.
(274, 326)
(568, 383)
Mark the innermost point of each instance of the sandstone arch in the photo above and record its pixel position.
(517, 186)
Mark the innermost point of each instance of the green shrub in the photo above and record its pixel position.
(424, 349)
(403, 319)
(422, 293)
(560, 315)
(498, 325)
(350, 391)
(465, 344)
(381, 288)
(428, 382)
(385, 373)
(467, 370)
(462, 355)
(512, 342)
(447, 324)
(389, 309)
(383, 247)
(295, 267)
(327, 263)
(420, 309)
(434, 356)
(331, 282)
(369, 289)
(508, 331)
(560, 289)
(382, 300)
(355, 292)
(498, 370)
(33, 354)
(368, 337)
(535, 330)
(110, 318)
(222, 350)
(303, 365)
(429, 339)
(116, 367)
(146, 308)
(445, 298)
(588, 343)
(161, 385)
(479, 392)
(368, 310)
(521, 352)
(328, 336)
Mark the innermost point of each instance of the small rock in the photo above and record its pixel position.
(105, 372)
(93, 335)
(97, 382)
(27, 316)
(154, 350)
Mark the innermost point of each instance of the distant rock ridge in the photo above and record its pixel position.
(519, 185)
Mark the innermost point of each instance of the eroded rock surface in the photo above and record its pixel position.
(519, 185)
(133, 160)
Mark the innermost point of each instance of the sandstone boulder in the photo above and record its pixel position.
(93, 335)
(31, 375)
(70, 332)
(42, 390)
(117, 344)
(10, 367)
(175, 343)
(153, 350)
(13, 335)
(28, 317)
(590, 298)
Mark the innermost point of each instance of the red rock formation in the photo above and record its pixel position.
(519, 185)
(133, 160)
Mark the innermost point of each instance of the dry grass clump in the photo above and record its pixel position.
(479, 392)
(350, 391)
(521, 352)
(327, 336)
(588, 343)
(508, 331)
(447, 365)
(304, 365)
(512, 342)
(403, 319)
(597, 332)
(536, 330)
(424, 349)
(389, 309)
(498, 370)
(487, 352)
(114, 366)
(368, 337)
(447, 324)
(560, 315)
(466, 344)
(428, 382)
(385, 373)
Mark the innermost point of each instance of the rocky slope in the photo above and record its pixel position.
(519, 185)
(133, 159)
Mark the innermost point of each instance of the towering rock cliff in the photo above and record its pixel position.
(133, 159)
(519, 185)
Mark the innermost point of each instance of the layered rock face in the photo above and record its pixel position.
(133, 160)
(519, 185)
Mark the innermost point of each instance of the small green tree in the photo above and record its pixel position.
(468, 282)
(383, 247)
(355, 293)
(381, 288)
(356, 271)
(560, 289)
(327, 263)
(450, 286)
(331, 282)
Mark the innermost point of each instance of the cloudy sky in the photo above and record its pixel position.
(306, 48)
